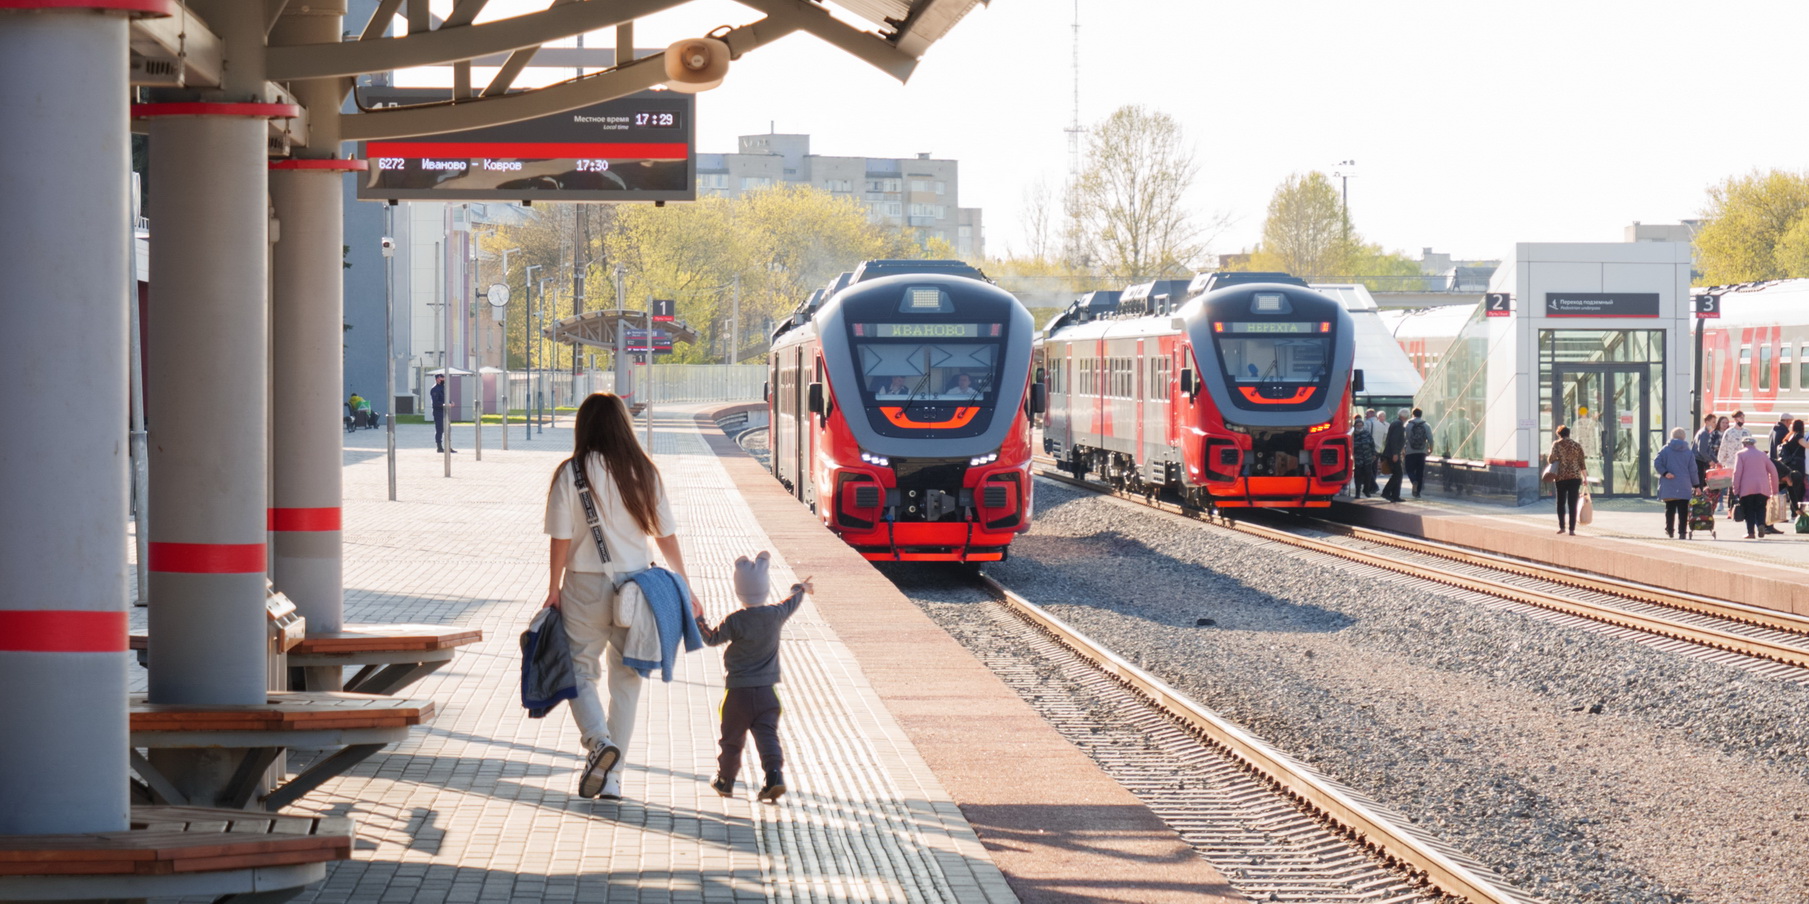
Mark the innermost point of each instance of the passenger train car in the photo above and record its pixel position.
(900, 400)
(1756, 354)
(1234, 394)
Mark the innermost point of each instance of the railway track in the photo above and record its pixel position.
(1760, 640)
(1278, 829)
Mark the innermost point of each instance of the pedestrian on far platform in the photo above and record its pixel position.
(1363, 459)
(1391, 453)
(1378, 436)
(1778, 431)
(1419, 445)
(1708, 444)
(1569, 466)
(1755, 482)
(1677, 482)
(1790, 459)
(1732, 435)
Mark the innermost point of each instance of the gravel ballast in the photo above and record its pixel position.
(1581, 767)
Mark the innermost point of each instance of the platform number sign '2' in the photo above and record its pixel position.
(1498, 304)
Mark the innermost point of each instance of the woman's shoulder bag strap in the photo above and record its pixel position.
(590, 509)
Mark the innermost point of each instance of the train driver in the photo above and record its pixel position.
(897, 386)
(963, 388)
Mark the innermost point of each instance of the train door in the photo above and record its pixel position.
(1139, 404)
(816, 426)
(800, 405)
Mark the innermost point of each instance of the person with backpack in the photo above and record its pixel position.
(1413, 455)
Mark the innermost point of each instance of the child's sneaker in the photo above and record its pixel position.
(723, 786)
(775, 786)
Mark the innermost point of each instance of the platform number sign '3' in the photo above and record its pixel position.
(1498, 304)
(1708, 307)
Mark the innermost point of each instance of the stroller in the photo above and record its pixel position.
(1702, 513)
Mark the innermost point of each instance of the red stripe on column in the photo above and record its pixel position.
(207, 558)
(62, 631)
(304, 519)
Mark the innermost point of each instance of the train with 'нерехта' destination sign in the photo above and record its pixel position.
(1232, 390)
(900, 400)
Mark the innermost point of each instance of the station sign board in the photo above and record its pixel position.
(665, 310)
(1707, 307)
(635, 148)
(1601, 304)
(1498, 304)
(639, 341)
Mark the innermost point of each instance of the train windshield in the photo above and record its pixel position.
(1274, 352)
(894, 373)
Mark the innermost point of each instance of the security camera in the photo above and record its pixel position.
(696, 64)
(389, 246)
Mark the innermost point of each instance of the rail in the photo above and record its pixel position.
(1782, 637)
(1358, 817)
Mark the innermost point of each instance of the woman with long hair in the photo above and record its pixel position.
(1568, 468)
(603, 504)
(1790, 463)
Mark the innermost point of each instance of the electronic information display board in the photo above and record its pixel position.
(635, 148)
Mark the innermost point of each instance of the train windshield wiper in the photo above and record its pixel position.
(920, 383)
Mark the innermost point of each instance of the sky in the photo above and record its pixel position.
(1473, 125)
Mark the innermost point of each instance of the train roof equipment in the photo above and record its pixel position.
(875, 269)
(1156, 297)
(1219, 279)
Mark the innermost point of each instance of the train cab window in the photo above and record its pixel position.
(1746, 367)
(1274, 351)
(893, 371)
(1764, 367)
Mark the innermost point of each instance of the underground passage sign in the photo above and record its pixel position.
(1601, 304)
(635, 148)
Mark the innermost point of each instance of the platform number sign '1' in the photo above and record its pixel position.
(1498, 304)
(1708, 307)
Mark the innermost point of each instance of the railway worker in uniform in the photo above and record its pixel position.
(603, 504)
(1755, 481)
(1569, 466)
(1677, 482)
(1391, 453)
(1588, 432)
(897, 386)
(1363, 458)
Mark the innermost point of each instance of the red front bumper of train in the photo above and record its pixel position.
(1221, 464)
(858, 511)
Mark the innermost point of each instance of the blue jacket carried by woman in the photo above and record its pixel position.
(1678, 460)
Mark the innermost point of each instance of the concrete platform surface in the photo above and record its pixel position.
(890, 774)
(1626, 540)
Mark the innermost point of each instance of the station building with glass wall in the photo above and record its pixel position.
(1596, 336)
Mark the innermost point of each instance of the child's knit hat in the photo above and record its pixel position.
(751, 583)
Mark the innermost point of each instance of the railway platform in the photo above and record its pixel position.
(915, 775)
(1626, 540)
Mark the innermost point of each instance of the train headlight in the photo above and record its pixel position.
(872, 459)
(986, 459)
(1321, 428)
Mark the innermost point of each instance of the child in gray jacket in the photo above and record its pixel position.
(752, 660)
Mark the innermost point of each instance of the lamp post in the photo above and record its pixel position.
(388, 244)
(539, 387)
(1346, 169)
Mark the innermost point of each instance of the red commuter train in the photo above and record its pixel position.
(900, 400)
(1238, 396)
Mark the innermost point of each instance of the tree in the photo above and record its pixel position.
(1755, 227)
(1039, 216)
(1307, 232)
(1132, 200)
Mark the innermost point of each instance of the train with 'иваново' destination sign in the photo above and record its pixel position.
(900, 400)
(1230, 391)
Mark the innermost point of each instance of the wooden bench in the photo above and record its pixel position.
(390, 657)
(248, 858)
(350, 727)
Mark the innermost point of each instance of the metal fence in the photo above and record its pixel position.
(655, 383)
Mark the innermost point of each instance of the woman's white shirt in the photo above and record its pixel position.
(629, 550)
